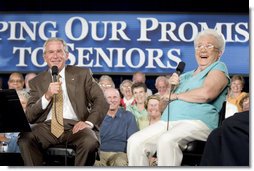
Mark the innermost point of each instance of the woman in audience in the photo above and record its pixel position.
(153, 107)
(125, 88)
(245, 102)
(235, 94)
(139, 91)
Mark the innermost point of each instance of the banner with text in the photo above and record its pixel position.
(120, 43)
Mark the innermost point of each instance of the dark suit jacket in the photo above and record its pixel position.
(82, 90)
(228, 145)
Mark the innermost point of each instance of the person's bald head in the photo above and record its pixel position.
(113, 98)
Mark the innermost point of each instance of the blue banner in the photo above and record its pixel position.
(120, 43)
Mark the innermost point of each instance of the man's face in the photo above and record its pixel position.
(105, 84)
(15, 82)
(113, 98)
(55, 54)
(138, 78)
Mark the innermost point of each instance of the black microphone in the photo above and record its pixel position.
(180, 68)
(179, 71)
(54, 70)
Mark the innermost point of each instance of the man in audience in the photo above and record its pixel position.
(141, 77)
(105, 82)
(116, 128)
(16, 81)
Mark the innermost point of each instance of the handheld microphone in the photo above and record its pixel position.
(179, 71)
(180, 68)
(54, 70)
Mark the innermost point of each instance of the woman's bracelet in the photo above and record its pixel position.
(174, 97)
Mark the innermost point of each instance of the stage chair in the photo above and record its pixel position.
(193, 153)
(60, 155)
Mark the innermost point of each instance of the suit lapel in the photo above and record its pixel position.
(71, 80)
(46, 80)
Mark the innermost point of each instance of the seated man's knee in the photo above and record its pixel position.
(119, 159)
(25, 139)
(119, 162)
(90, 143)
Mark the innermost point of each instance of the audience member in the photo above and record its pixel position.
(116, 128)
(105, 82)
(13, 137)
(16, 81)
(153, 108)
(125, 88)
(138, 108)
(28, 77)
(235, 94)
(245, 102)
(141, 77)
(194, 107)
(79, 127)
(162, 86)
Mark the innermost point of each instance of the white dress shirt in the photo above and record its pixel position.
(67, 107)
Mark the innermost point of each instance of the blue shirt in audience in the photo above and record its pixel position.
(114, 132)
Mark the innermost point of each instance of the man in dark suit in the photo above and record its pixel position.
(228, 145)
(84, 108)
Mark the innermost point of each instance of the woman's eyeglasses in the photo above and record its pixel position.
(206, 47)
